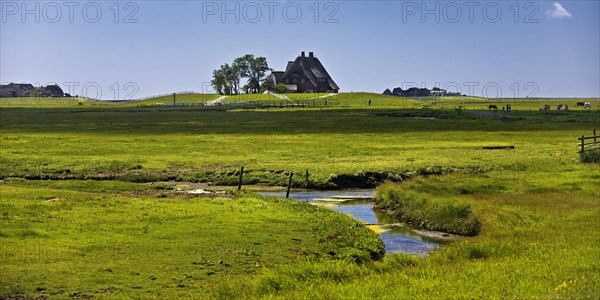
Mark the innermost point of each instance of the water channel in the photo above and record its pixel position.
(397, 237)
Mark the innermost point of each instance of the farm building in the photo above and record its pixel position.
(53, 91)
(15, 90)
(305, 74)
(28, 90)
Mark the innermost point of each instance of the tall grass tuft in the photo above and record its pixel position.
(428, 213)
(591, 157)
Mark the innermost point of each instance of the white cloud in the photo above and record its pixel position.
(558, 12)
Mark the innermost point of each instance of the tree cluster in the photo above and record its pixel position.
(269, 85)
(227, 79)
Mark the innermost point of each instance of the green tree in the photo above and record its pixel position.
(218, 82)
(226, 79)
(35, 92)
(280, 88)
(267, 85)
(246, 88)
(233, 77)
(254, 69)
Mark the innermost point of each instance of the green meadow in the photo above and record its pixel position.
(90, 206)
(354, 99)
(40, 102)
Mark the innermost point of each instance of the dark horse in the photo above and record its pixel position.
(492, 106)
(582, 104)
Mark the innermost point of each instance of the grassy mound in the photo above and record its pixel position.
(427, 212)
(168, 99)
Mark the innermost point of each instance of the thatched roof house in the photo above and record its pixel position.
(305, 74)
(53, 91)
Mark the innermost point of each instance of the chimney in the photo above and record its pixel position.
(311, 54)
(302, 55)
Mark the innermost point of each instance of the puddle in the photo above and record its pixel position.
(396, 237)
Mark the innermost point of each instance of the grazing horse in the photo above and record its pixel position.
(587, 105)
(494, 107)
(580, 104)
(564, 107)
(545, 108)
(558, 106)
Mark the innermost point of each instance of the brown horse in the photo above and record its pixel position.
(492, 107)
(545, 108)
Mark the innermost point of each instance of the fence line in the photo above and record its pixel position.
(164, 95)
(253, 104)
(593, 143)
(279, 104)
(291, 101)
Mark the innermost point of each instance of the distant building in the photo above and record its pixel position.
(411, 92)
(419, 92)
(305, 74)
(53, 91)
(437, 92)
(15, 90)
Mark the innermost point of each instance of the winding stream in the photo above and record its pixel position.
(397, 237)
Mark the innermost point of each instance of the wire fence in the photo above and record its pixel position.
(250, 104)
(164, 95)
(278, 104)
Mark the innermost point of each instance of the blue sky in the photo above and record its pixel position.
(134, 49)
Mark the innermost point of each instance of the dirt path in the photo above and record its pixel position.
(216, 101)
(328, 95)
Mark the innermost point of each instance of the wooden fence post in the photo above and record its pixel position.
(241, 176)
(594, 135)
(173, 99)
(287, 194)
(306, 180)
(582, 145)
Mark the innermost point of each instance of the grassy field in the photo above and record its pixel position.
(453, 102)
(147, 145)
(82, 214)
(179, 98)
(357, 99)
(39, 102)
(141, 241)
